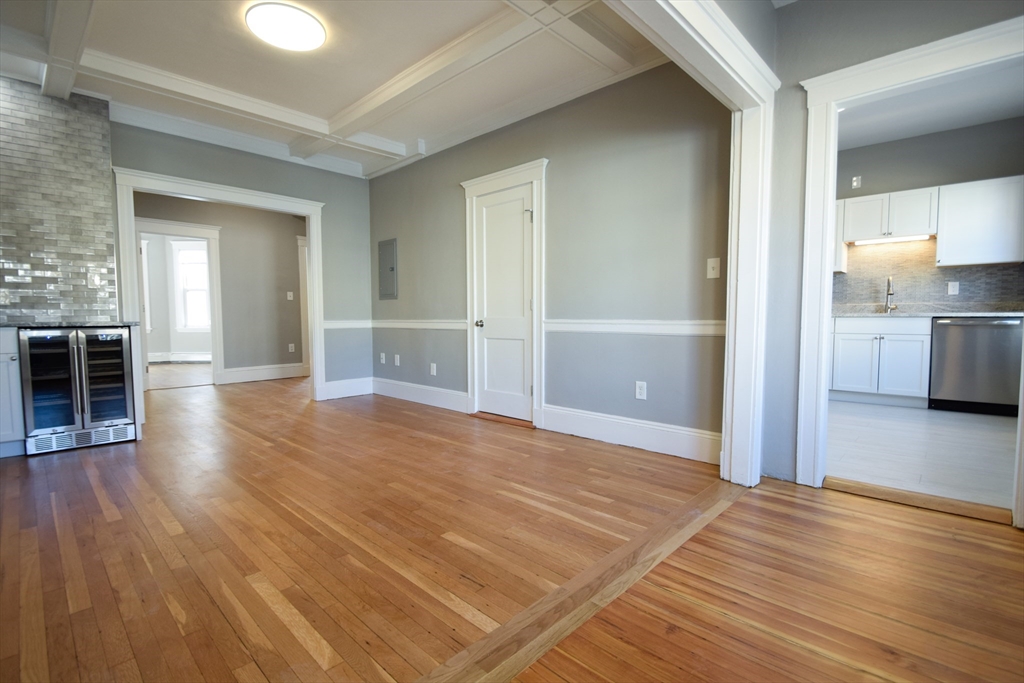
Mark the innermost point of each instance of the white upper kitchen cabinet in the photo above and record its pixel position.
(866, 218)
(840, 257)
(914, 212)
(981, 222)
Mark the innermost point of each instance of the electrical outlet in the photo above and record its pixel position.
(856, 182)
(433, 368)
(952, 288)
(291, 296)
(641, 391)
(291, 348)
(397, 363)
(714, 268)
(383, 359)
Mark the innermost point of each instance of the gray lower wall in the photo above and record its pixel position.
(637, 201)
(57, 262)
(417, 350)
(598, 373)
(815, 38)
(991, 150)
(259, 264)
(347, 354)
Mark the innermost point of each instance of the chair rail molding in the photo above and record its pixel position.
(984, 48)
(701, 40)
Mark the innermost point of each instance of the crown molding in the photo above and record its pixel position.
(201, 132)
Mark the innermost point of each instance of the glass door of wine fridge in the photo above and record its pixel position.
(51, 389)
(106, 377)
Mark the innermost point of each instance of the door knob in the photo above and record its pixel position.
(479, 323)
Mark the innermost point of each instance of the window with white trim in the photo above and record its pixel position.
(191, 285)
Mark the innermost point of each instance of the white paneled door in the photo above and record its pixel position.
(503, 319)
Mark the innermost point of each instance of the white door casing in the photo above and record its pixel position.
(985, 48)
(505, 290)
(304, 313)
(504, 282)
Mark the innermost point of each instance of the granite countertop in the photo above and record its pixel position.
(66, 325)
(927, 310)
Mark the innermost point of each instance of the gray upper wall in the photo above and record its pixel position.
(991, 150)
(637, 200)
(259, 265)
(756, 20)
(346, 212)
(815, 38)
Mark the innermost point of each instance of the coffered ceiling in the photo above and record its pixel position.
(395, 81)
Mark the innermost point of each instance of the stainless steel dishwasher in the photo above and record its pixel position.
(976, 364)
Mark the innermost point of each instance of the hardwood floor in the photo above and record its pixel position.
(792, 583)
(254, 535)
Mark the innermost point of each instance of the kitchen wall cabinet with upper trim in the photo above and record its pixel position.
(895, 214)
(981, 222)
(882, 356)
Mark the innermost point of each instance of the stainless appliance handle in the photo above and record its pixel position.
(975, 321)
(76, 398)
(83, 377)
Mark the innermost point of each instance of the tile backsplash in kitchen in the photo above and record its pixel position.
(921, 285)
(57, 258)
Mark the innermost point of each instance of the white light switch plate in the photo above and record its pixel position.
(433, 368)
(397, 363)
(714, 268)
(383, 359)
(952, 288)
(291, 296)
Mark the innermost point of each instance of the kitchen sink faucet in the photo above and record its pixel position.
(889, 294)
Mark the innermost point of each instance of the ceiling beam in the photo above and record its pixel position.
(69, 22)
(472, 48)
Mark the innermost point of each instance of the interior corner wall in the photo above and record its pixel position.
(345, 218)
(815, 38)
(637, 201)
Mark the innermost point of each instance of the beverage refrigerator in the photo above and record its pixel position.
(76, 387)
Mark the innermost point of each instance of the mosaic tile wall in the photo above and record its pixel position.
(917, 281)
(56, 209)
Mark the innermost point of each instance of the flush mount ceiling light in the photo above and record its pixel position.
(285, 26)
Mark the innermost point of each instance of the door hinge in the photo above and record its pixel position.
(530, 211)
(531, 304)
(531, 390)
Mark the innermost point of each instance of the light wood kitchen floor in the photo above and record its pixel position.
(941, 453)
(177, 375)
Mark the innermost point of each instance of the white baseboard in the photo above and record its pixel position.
(178, 357)
(259, 373)
(9, 449)
(343, 388)
(694, 444)
(878, 399)
(419, 393)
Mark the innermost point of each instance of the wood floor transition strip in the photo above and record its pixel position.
(963, 508)
(504, 420)
(511, 648)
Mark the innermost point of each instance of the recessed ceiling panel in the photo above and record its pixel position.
(25, 15)
(538, 63)
(368, 43)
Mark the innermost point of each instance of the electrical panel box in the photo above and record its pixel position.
(387, 261)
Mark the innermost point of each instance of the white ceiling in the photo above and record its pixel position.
(968, 98)
(395, 81)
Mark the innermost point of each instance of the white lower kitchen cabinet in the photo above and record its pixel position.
(881, 355)
(904, 364)
(855, 362)
(12, 424)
